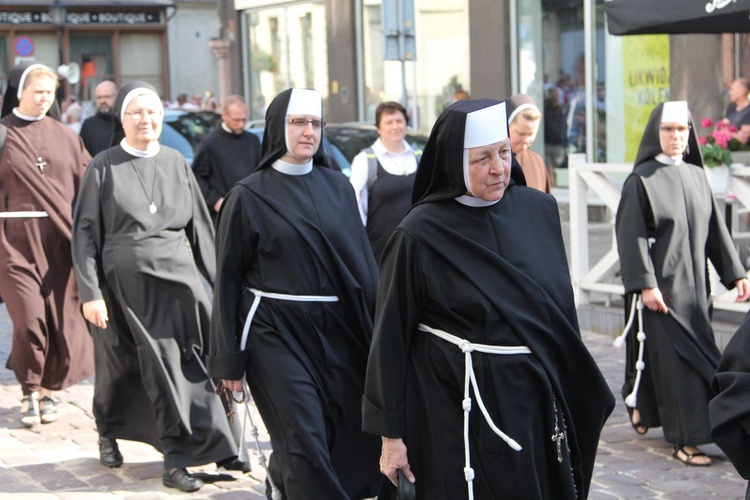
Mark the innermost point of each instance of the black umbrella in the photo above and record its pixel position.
(649, 17)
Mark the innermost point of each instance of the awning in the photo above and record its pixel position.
(650, 17)
(22, 4)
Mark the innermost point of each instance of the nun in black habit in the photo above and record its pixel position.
(668, 224)
(293, 305)
(142, 236)
(729, 410)
(477, 366)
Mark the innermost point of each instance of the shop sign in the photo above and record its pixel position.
(645, 70)
(88, 18)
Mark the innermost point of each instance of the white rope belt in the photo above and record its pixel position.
(470, 378)
(640, 365)
(23, 214)
(277, 296)
(275, 492)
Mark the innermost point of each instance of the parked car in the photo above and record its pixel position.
(186, 129)
(343, 141)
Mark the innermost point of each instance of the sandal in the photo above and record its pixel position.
(638, 427)
(47, 410)
(30, 410)
(688, 460)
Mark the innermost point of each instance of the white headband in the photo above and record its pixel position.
(135, 93)
(675, 112)
(486, 126)
(520, 108)
(305, 102)
(25, 73)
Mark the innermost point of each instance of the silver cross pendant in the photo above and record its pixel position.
(40, 163)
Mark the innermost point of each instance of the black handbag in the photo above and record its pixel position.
(406, 489)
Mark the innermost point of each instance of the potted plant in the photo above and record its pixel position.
(718, 146)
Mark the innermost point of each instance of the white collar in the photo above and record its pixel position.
(149, 153)
(473, 202)
(379, 148)
(292, 169)
(668, 160)
(227, 129)
(28, 118)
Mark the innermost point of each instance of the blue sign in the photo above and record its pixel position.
(24, 46)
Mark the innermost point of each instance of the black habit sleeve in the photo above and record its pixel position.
(200, 230)
(632, 229)
(398, 309)
(729, 410)
(234, 254)
(87, 232)
(203, 167)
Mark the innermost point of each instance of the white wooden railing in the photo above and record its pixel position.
(601, 184)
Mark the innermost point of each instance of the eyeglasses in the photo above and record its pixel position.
(139, 114)
(302, 123)
(680, 129)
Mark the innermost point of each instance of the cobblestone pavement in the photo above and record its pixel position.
(60, 460)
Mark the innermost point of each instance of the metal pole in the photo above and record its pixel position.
(401, 55)
(514, 70)
(358, 34)
(590, 83)
(59, 45)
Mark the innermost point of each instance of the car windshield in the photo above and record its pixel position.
(170, 137)
(183, 130)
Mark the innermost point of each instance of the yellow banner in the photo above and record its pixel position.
(645, 68)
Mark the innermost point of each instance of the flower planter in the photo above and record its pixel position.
(719, 178)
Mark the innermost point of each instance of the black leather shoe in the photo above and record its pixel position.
(181, 479)
(234, 463)
(109, 452)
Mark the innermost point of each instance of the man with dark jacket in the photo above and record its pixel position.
(97, 130)
(226, 155)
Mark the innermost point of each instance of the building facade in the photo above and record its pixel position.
(164, 42)
(106, 40)
(596, 90)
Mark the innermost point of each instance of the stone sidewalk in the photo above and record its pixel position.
(60, 460)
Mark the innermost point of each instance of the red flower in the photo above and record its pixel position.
(702, 141)
(706, 122)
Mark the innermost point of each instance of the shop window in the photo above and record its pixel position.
(94, 55)
(4, 63)
(286, 47)
(441, 66)
(133, 64)
(552, 69)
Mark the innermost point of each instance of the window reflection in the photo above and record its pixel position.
(442, 63)
(287, 48)
(552, 69)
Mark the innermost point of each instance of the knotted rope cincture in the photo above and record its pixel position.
(470, 382)
(640, 365)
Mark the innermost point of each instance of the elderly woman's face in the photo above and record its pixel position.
(673, 137)
(489, 170)
(38, 95)
(142, 121)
